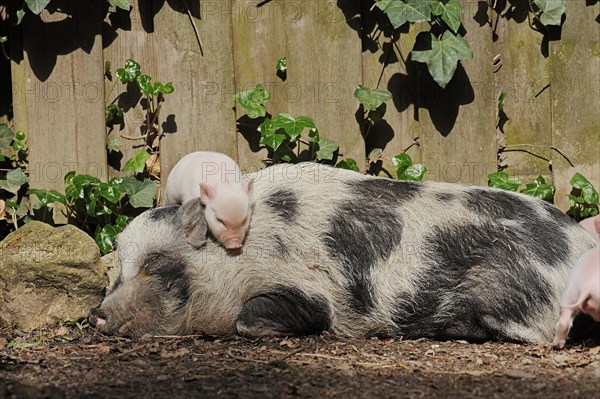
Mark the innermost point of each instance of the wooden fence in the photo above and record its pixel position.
(553, 84)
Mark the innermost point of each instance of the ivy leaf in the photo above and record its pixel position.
(105, 237)
(400, 12)
(449, 10)
(588, 192)
(252, 101)
(141, 193)
(326, 149)
(20, 14)
(114, 145)
(371, 99)
(6, 136)
(406, 170)
(501, 99)
(130, 72)
(269, 135)
(36, 6)
(111, 111)
(552, 11)
(282, 68)
(46, 197)
(503, 181)
(3, 39)
(292, 126)
(144, 82)
(111, 191)
(15, 178)
(540, 189)
(137, 163)
(122, 4)
(441, 55)
(349, 164)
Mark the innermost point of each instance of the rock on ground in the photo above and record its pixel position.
(48, 274)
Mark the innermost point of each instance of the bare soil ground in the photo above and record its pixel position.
(67, 362)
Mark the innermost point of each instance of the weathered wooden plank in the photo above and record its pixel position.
(202, 103)
(63, 94)
(259, 41)
(524, 76)
(384, 64)
(324, 58)
(575, 80)
(458, 137)
(128, 36)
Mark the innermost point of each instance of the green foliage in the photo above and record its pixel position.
(252, 101)
(371, 99)
(441, 55)
(540, 189)
(36, 6)
(501, 99)
(584, 197)
(3, 39)
(349, 164)
(444, 46)
(282, 133)
(406, 170)
(503, 181)
(550, 11)
(402, 11)
(137, 163)
(100, 208)
(123, 4)
(450, 12)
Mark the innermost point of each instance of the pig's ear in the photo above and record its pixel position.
(206, 193)
(193, 222)
(248, 186)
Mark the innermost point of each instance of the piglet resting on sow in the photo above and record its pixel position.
(334, 250)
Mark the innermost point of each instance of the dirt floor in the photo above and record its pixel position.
(73, 362)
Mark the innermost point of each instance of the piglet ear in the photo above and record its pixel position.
(206, 193)
(248, 186)
(193, 222)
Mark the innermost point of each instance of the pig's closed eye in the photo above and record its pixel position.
(220, 220)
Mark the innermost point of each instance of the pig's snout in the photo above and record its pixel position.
(234, 243)
(97, 318)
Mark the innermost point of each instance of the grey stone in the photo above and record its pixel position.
(49, 274)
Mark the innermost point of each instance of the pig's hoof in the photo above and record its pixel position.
(558, 344)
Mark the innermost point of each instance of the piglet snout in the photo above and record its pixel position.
(234, 243)
(97, 317)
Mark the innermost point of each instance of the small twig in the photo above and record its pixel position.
(143, 136)
(195, 27)
(414, 143)
(508, 148)
(134, 349)
(245, 359)
(178, 336)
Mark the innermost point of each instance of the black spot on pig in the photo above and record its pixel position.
(118, 282)
(284, 203)
(163, 212)
(476, 278)
(280, 246)
(285, 311)
(171, 273)
(498, 204)
(384, 191)
(445, 197)
(544, 238)
(557, 215)
(366, 231)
